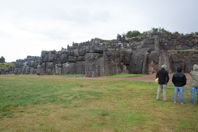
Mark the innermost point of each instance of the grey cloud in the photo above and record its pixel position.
(57, 35)
(87, 16)
(173, 14)
(76, 11)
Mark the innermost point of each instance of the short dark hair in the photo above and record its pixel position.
(179, 69)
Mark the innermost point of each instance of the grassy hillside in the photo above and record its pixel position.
(6, 65)
(30, 103)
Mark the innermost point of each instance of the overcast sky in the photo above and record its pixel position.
(29, 26)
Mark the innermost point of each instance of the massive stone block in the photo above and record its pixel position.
(94, 64)
(153, 62)
(58, 69)
(113, 62)
(139, 61)
(73, 68)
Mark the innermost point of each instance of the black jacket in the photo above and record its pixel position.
(163, 76)
(179, 79)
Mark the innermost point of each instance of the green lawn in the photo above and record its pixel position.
(30, 103)
(125, 75)
(73, 75)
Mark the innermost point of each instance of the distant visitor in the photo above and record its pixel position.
(163, 78)
(179, 81)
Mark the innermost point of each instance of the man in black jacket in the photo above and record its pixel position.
(163, 79)
(179, 80)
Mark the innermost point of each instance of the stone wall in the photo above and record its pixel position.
(101, 57)
(185, 59)
(23, 66)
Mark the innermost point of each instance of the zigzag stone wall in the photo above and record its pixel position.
(100, 57)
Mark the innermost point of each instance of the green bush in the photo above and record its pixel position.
(162, 30)
(131, 34)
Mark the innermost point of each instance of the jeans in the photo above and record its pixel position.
(180, 91)
(193, 92)
(159, 90)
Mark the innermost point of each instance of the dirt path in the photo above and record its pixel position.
(146, 78)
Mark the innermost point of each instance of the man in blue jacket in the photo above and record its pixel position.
(179, 81)
(163, 79)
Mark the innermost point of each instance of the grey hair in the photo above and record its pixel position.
(164, 66)
(195, 67)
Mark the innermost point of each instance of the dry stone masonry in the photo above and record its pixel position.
(100, 57)
(23, 66)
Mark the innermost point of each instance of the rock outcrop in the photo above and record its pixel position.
(100, 57)
(27, 66)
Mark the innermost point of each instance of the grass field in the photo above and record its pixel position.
(125, 75)
(30, 103)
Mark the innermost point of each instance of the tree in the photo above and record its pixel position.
(134, 33)
(2, 59)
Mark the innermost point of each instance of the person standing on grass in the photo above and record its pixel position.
(163, 79)
(179, 81)
(194, 83)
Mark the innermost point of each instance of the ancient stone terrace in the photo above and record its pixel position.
(107, 57)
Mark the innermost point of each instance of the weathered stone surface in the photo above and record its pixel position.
(50, 68)
(25, 66)
(153, 62)
(94, 64)
(82, 51)
(112, 62)
(58, 69)
(137, 61)
(72, 59)
(184, 59)
(73, 68)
